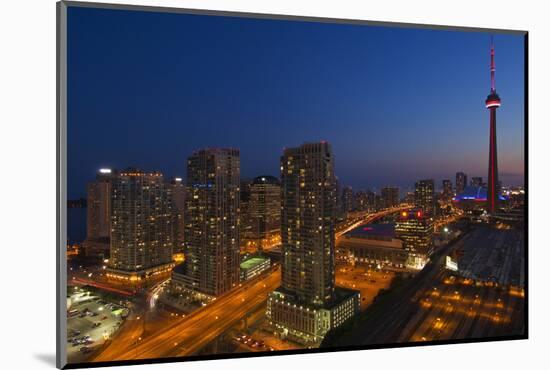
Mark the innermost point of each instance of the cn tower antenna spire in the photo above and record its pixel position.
(492, 66)
(492, 103)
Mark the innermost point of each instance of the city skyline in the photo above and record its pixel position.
(269, 185)
(362, 105)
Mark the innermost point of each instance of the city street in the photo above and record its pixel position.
(194, 331)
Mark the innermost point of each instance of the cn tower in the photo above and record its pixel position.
(492, 103)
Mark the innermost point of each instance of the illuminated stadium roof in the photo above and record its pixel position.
(474, 193)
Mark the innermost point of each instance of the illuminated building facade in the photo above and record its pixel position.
(378, 202)
(461, 182)
(309, 324)
(390, 196)
(305, 305)
(307, 225)
(364, 201)
(409, 197)
(212, 200)
(98, 223)
(338, 195)
(141, 227)
(245, 223)
(447, 192)
(416, 229)
(424, 196)
(177, 187)
(374, 245)
(347, 199)
(264, 212)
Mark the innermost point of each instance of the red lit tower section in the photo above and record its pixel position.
(492, 103)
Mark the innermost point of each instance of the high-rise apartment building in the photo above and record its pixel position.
(461, 182)
(347, 199)
(98, 223)
(212, 234)
(245, 223)
(142, 223)
(265, 211)
(307, 304)
(409, 197)
(415, 228)
(364, 201)
(424, 196)
(447, 191)
(390, 196)
(177, 187)
(338, 195)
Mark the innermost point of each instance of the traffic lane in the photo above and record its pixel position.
(204, 329)
(164, 342)
(271, 282)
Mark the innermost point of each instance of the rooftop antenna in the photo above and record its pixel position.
(492, 66)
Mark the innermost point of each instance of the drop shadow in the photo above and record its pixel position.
(47, 358)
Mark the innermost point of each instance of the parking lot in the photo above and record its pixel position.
(368, 281)
(90, 321)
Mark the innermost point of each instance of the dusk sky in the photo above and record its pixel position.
(147, 89)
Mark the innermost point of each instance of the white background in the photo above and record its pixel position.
(27, 181)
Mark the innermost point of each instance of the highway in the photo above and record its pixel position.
(192, 332)
(369, 218)
(83, 282)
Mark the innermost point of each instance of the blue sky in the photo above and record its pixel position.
(146, 89)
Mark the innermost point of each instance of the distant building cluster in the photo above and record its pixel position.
(349, 201)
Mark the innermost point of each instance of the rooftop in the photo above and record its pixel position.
(252, 262)
(490, 254)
